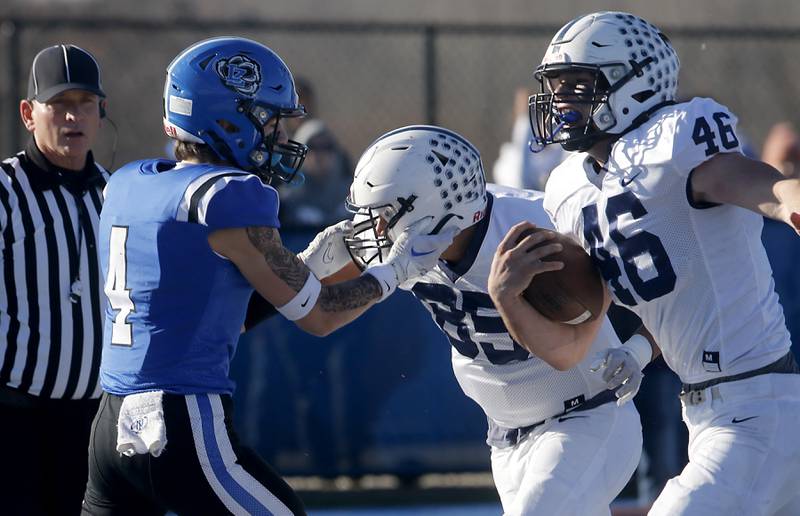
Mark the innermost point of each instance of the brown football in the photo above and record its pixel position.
(571, 295)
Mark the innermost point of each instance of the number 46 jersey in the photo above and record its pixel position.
(697, 275)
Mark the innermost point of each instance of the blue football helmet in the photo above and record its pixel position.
(221, 92)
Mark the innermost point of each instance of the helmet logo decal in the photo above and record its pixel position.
(442, 158)
(240, 73)
(180, 106)
(170, 130)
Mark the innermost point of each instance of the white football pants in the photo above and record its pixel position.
(570, 466)
(744, 451)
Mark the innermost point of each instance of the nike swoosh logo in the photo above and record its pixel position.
(734, 420)
(562, 419)
(625, 181)
(304, 303)
(415, 253)
(327, 257)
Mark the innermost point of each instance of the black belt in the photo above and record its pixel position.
(501, 437)
(784, 365)
(12, 397)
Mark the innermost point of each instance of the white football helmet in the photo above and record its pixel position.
(635, 70)
(409, 174)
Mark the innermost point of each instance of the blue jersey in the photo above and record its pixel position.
(175, 307)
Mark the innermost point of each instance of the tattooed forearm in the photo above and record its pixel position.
(283, 262)
(350, 294)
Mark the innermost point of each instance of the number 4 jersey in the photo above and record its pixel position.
(175, 307)
(697, 275)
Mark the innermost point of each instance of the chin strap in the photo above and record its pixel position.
(442, 223)
(642, 118)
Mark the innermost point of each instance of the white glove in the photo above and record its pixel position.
(622, 367)
(411, 255)
(327, 253)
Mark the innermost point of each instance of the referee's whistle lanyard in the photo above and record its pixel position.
(76, 288)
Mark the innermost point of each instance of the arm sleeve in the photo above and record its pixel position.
(6, 207)
(239, 201)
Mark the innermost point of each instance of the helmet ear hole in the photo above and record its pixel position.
(602, 83)
(228, 126)
(641, 97)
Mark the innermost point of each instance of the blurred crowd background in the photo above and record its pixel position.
(376, 65)
(378, 397)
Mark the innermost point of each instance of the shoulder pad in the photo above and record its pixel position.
(682, 135)
(508, 191)
(563, 182)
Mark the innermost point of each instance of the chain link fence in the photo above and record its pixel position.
(372, 78)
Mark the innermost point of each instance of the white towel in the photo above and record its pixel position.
(140, 427)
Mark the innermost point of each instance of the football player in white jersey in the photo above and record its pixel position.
(559, 443)
(662, 197)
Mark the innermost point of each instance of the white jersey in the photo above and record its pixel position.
(513, 387)
(697, 276)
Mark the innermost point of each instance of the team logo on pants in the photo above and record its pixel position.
(240, 73)
(139, 424)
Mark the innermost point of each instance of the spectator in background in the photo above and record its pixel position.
(319, 200)
(51, 297)
(517, 166)
(782, 151)
(307, 98)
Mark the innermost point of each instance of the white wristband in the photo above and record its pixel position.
(302, 303)
(641, 349)
(387, 278)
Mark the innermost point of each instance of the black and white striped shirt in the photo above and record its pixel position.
(51, 300)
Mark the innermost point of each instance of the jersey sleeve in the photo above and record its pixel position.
(235, 201)
(408, 285)
(6, 207)
(700, 130)
(564, 192)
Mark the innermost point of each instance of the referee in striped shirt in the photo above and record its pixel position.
(51, 299)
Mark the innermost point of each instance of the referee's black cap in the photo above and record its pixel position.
(60, 68)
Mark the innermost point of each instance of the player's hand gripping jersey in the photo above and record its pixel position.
(652, 244)
(175, 307)
(513, 387)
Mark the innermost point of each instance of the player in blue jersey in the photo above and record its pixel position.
(182, 245)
